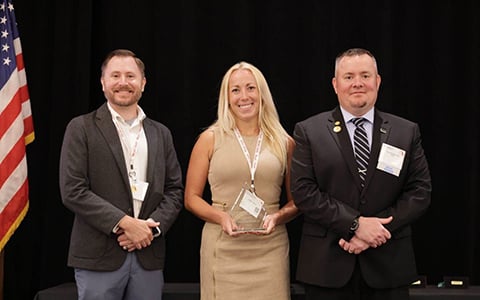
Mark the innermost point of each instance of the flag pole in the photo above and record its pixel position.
(1, 274)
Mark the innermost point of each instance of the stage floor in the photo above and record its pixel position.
(187, 291)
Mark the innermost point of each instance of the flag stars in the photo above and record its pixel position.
(10, 6)
(6, 61)
(7, 58)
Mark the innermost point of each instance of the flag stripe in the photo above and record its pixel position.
(10, 114)
(13, 184)
(12, 160)
(13, 214)
(19, 57)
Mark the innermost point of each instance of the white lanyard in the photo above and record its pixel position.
(252, 165)
(131, 172)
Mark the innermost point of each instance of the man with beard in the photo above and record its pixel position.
(120, 176)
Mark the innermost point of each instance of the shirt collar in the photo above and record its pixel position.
(348, 116)
(116, 116)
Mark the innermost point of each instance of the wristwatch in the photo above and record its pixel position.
(354, 226)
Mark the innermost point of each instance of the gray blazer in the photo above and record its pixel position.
(326, 188)
(94, 186)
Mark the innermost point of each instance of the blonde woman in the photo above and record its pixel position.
(245, 157)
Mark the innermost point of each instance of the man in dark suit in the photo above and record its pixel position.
(120, 176)
(356, 238)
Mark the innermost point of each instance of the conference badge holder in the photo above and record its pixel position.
(248, 211)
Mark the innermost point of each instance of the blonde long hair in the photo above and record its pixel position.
(268, 119)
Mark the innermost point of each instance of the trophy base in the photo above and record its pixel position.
(251, 230)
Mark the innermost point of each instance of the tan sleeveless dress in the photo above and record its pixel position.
(247, 267)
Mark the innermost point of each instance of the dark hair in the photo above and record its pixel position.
(123, 53)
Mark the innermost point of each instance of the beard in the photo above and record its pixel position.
(122, 100)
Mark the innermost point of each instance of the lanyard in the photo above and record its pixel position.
(131, 172)
(252, 165)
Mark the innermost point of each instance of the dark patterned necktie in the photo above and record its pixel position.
(361, 148)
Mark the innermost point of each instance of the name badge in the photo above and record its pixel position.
(251, 203)
(139, 189)
(391, 159)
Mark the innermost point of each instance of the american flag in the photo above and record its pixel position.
(16, 126)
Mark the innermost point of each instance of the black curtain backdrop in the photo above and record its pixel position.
(428, 56)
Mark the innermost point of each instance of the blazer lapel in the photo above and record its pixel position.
(152, 143)
(339, 132)
(109, 132)
(381, 131)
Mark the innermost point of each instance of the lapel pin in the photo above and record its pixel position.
(383, 130)
(337, 127)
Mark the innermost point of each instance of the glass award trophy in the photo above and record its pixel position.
(248, 211)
